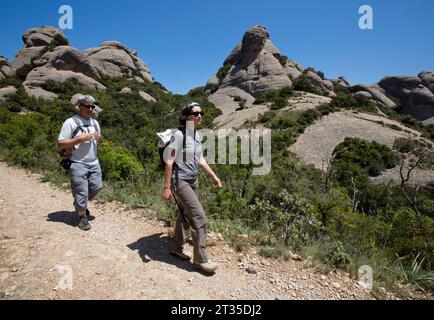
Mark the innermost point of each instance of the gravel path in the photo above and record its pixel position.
(44, 256)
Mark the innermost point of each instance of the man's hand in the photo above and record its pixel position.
(167, 194)
(97, 136)
(85, 137)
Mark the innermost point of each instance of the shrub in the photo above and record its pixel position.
(22, 72)
(329, 251)
(223, 71)
(279, 103)
(282, 59)
(372, 157)
(277, 97)
(348, 101)
(302, 83)
(10, 81)
(290, 219)
(267, 116)
(117, 163)
(413, 275)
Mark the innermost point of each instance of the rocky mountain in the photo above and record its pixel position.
(255, 66)
(48, 56)
(114, 59)
(409, 95)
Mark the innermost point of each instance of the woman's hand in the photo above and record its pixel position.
(217, 183)
(167, 194)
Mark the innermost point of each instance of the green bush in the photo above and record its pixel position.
(267, 116)
(10, 81)
(302, 83)
(372, 157)
(117, 163)
(223, 71)
(289, 220)
(282, 59)
(26, 139)
(329, 251)
(22, 72)
(277, 97)
(348, 101)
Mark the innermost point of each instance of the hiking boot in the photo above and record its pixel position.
(84, 224)
(208, 267)
(90, 218)
(180, 255)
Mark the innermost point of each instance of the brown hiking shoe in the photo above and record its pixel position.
(208, 267)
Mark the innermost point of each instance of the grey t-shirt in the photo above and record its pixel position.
(85, 152)
(187, 168)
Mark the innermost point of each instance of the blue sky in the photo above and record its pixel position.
(184, 42)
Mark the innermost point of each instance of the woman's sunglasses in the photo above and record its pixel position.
(197, 113)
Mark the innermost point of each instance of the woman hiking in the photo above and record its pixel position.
(183, 156)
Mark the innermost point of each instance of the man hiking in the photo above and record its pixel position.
(79, 138)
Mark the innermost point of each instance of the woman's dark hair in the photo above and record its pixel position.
(186, 112)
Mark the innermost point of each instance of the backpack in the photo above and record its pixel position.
(164, 139)
(65, 154)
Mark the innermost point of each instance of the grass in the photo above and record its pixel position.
(412, 276)
(275, 252)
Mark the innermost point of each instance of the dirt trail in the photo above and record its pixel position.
(125, 256)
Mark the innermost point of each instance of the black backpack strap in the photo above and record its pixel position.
(184, 142)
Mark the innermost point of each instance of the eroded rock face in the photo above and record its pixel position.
(67, 58)
(427, 80)
(64, 63)
(7, 91)
(342, 82)
(39, 93)
(44, 36)
(5, 68)
(408, 94)
(51, 58)
(255, 65)
(36, 42)
(413, 93)
(114, 59)
(41, 75)
(323, 84)
(376, 93)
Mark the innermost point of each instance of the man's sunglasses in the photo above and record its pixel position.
(197, 113)
(88, 107)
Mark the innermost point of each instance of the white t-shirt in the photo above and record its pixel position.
(85, 152)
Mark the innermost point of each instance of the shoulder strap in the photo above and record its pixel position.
(95, 124)
(184, 143)
(79, 127)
